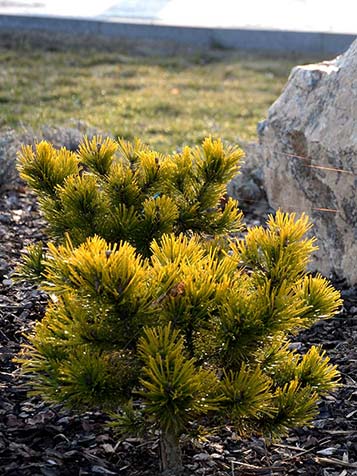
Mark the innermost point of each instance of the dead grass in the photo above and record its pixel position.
(168, 96)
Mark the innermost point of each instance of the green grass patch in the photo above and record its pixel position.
(168, 98)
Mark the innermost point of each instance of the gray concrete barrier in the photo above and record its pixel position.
(272, 41)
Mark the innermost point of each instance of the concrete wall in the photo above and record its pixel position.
(274, 41)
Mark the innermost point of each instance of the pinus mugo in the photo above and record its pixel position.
(155, 319)
(124, 191)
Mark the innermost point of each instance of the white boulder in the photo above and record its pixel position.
(309, 155)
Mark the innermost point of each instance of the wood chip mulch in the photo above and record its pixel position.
(41, 440)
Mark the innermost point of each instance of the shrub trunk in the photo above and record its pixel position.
(171, 457)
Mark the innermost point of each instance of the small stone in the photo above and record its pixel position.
(23, 415)
(108, 448)
(192, 467)
(101, 470)
(133, 440)
(216, 456)
(327, 451)
(64, 420)
(295, 345)
(201, 457)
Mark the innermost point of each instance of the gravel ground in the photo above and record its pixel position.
(36, 439)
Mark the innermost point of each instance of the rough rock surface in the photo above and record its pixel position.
(248, 186)
(309, 152)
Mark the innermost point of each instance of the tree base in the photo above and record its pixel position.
(171, 456)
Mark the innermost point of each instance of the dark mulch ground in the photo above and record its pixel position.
(36, 439)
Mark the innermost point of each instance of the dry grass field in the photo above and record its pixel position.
(167, 95)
